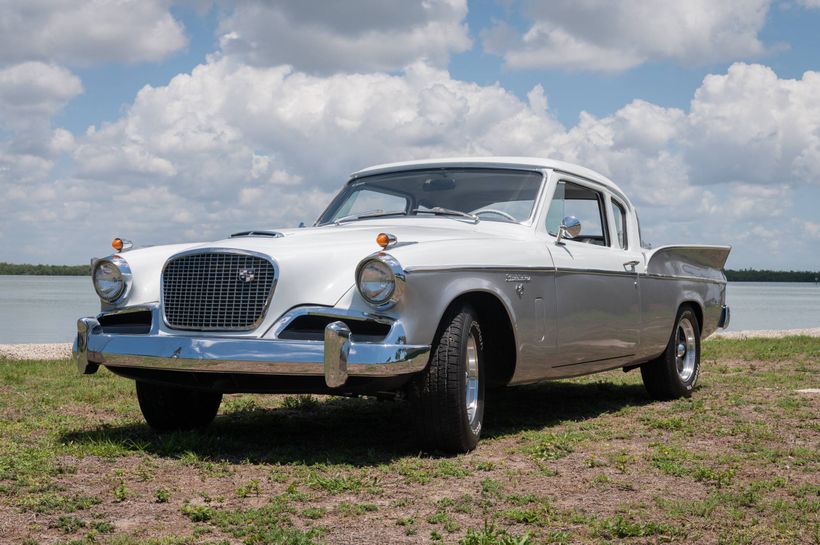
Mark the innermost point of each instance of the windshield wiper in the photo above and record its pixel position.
(369, 214)
(439, 211)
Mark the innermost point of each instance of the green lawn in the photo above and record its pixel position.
(590, 460)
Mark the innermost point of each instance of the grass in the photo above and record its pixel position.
(589, 460)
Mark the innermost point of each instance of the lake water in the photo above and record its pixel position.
(44, 309)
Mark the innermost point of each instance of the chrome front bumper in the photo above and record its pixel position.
(338, 357)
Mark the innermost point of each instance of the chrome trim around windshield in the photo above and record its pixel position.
(195, 251)
(528, 222)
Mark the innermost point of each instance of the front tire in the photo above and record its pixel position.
(675, 373)
(170, 408)
(449, 395)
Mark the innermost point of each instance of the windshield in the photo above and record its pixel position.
(465, 194)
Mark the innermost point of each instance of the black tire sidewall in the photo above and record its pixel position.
(170, 408)
(472, 328)
(438, 393)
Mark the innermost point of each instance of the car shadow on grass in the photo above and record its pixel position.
(358, 432)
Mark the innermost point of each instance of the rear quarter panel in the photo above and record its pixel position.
(676, 275)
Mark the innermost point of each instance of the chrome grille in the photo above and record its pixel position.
(205, 291)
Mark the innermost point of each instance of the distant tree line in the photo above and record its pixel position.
(45, 270)
(754, 275)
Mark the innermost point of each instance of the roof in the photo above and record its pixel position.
(499, 162)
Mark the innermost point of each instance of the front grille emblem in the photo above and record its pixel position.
(247, 275)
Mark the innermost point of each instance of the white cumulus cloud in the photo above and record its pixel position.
(30, 93)
(749, 125)
(232, 146)
(276, 143)
(353, 36)
(88, 31)
(35, 89)
(605, 36)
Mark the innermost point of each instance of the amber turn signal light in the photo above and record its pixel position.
(121, 245)
(385, 239)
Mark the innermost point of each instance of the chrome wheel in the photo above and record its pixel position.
(471, 380)
(685, 349)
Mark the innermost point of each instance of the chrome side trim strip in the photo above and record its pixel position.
(477, 268)
(563, 270)
(495, 268)
(602, 272)
(593, 361)
(688, 278)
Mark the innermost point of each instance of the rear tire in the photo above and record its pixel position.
(448, 397)
(169, 408)
(675, 373)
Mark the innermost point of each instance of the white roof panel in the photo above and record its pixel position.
(498, 162)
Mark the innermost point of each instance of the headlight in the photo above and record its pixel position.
(380, 280)
(112, 278)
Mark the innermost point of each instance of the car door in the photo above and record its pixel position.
(596, 280)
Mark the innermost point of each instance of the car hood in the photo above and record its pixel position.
(316, 265)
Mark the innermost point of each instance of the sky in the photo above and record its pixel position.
(161, 121)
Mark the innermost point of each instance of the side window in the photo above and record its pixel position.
(619, 215)
(366, 200)
(585, 204)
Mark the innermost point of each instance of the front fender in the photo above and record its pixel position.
(527, 298)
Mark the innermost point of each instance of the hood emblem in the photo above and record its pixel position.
(247, 275)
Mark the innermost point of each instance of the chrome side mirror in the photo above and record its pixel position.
(570, 228)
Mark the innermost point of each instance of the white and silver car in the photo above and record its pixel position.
(431, 280)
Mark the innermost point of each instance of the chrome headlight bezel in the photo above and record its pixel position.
(124, 272)
(398, 279)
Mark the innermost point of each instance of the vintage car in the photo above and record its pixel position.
(425, 280)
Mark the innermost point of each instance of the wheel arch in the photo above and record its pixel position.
(696, 307)
(497, 331)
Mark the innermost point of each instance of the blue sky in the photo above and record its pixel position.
(110, 87)
(165, 121)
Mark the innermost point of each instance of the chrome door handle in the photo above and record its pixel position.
(633, 265)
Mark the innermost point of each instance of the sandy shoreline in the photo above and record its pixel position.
(42, 351)
(766, 333)
(61, 351)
